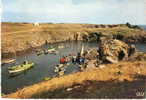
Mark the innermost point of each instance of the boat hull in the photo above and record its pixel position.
(7, 61)
(19, 69)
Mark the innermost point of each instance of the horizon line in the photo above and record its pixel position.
(66, 23)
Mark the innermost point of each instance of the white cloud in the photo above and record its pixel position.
(95, 11)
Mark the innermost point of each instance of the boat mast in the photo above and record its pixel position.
(82, 50)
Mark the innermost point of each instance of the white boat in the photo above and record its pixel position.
(61, 46)
(56, 69)
(61, 73)
(61, 67)
(6, 61)
(52, 49)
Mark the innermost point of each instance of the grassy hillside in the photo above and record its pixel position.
(122, 80)
(17, 37)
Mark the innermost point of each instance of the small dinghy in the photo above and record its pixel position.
(7, 61)
(45, 52)
(61, 67)
(61, 46)
(52, 51)
(39, 53)
(61, 73)
(56, 69)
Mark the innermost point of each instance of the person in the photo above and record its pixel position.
(25, 62)
(74, 59)
(79, 54)
(62, 60)
(81, 60)
(67, 59)
(78, 58)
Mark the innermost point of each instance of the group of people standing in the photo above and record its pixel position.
(78, 59)
(75, 59)
(64, 60)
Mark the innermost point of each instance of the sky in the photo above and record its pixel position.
(75, 11)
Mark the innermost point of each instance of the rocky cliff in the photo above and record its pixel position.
(23, 37)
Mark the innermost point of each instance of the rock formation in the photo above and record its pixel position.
(110, 51)
(113, 50)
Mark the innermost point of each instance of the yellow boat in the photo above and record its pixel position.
(20, 68)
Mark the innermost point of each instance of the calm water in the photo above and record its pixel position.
(44, 66)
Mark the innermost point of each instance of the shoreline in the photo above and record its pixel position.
(29, 51)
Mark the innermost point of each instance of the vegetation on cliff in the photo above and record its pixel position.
(19, 37)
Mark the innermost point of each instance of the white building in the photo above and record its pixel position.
(36, 24)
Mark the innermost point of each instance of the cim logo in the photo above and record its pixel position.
(140, 94)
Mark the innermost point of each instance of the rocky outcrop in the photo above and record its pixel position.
(113, 50)
(110, 51)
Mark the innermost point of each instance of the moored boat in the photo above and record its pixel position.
(61, 73)
(7, 61)
(61, 67)
(45, 52)
(20, 68)
(39, 53)
(61, 46)
(52, 51)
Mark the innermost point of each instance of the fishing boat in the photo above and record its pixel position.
(7, 61)
(39, 53)
(20, 68)
(52, 51)
(61, 46)
(45, 52)
(61, 73)
(61, 67)
(56, 69)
